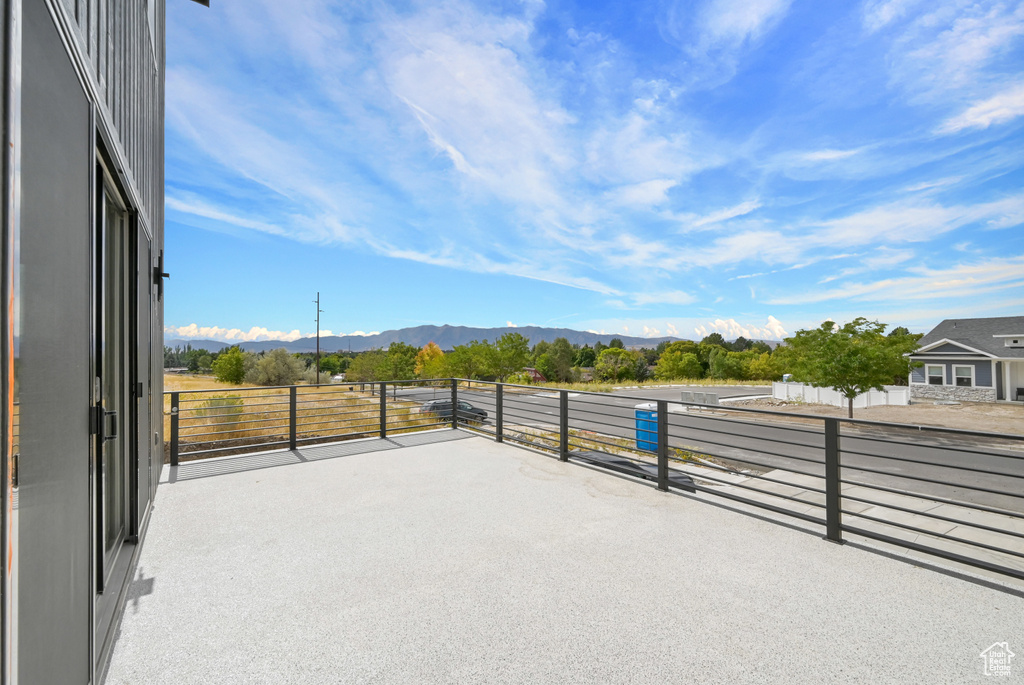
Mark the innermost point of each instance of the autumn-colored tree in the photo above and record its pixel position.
(430, 361)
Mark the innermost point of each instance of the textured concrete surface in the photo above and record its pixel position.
(470, 561)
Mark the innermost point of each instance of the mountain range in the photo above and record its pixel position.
(446, 337)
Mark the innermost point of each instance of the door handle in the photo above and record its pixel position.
(112, 435)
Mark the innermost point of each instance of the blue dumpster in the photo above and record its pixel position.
(647, 426)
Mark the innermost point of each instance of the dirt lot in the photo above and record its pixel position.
(979, 416)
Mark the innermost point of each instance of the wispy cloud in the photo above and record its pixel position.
(999, 109)
(959, 282)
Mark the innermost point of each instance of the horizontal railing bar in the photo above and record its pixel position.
(940, 536)
(236, 430)
(374, 409)
(754, 503)
(239, 447)
(919, 479)
(747, 449)
(372, 424)
(192, 410)
(945, 448)
(214, 442)
(234, 423)
(932, 498)
(934, 551)
(820, 446)
(341, 421)
(937, 517)
(743, 460)
(934, 465)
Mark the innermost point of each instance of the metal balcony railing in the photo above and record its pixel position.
(954, 494)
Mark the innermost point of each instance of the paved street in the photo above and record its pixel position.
(986, 472)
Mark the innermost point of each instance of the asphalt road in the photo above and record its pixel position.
(982, 471)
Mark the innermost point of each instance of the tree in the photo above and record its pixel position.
(474, 360)
(277, 367)
(540, 348)
(674, 364)
(851, 359)
(512, 353)
(616, 343)
(366, 365)
(641, 369)
(585, 356)
(229, 367)
(616, 364)
(561, 355)
(741, 344)
(399, 363)
(714, 339)
(429, 361)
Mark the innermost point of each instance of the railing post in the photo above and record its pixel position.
(563, 425)
(455, 403)
(498, 418)
(293, 413)
(383, 410)
(833, 492)
(175, 397)
(663, 445)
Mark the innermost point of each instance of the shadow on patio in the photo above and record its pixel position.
(443, 557)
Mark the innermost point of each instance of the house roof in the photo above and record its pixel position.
(979, 334)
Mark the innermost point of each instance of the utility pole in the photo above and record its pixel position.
(318, 312)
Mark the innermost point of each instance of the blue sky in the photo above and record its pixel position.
(655, 168)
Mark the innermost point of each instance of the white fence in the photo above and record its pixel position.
(893, 394)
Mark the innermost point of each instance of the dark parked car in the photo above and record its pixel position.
(443, 409)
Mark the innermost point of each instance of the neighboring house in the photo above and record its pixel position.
(535, 375)
(978, 360)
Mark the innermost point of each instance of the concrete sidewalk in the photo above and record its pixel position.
(471, 561)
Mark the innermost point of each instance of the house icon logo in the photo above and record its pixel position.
(997, 659)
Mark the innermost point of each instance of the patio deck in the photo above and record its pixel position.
(442, 557)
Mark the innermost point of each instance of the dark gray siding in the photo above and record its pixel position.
(982, 370)
(54, 373)
(125, 65)
(948, 348)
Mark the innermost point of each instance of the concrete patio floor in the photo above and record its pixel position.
(445, 558)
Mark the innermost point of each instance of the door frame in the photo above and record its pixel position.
(108, 583)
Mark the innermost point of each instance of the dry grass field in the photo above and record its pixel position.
(231, 419)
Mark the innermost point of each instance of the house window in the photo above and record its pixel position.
(936, 375)
(964, 376)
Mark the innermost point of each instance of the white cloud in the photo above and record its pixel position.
(509, 324)
(957, 282)
(254, 334)
(883, 12)
(671, 330)
(732, 23)
(651, 332)
(677, 297)
(827, 155)
(645, 194)
(903, 222)
(999, 109)
(732, 329)
(230, 334)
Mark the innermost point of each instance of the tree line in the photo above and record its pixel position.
(806, 355)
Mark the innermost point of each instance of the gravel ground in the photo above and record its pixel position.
(979, 416)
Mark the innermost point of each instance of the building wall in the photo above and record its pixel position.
(982, 370)
(83, 85)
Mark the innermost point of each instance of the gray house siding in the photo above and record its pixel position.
(982, 370)
(948, 348)
(82, 117)
(982, 390)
